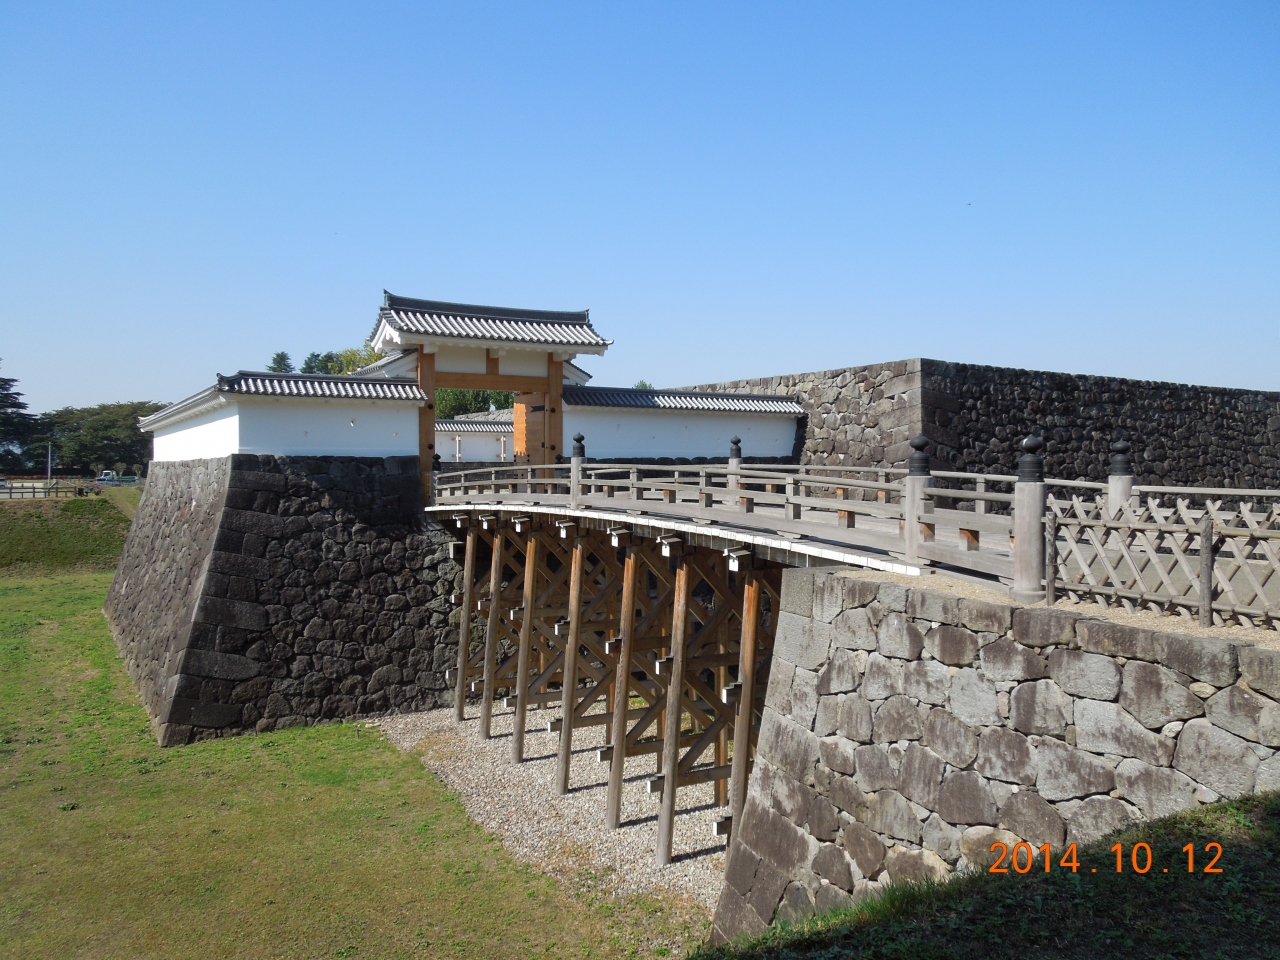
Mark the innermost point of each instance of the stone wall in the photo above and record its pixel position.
(976, 415)
(905, 729)
(262, 592)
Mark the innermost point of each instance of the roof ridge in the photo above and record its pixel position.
(681, 393)
(395, 302)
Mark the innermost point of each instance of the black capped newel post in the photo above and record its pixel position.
(914, 484)
(1028, 524)
(1120, 478)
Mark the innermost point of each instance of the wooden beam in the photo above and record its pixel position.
(526, 642)
(674, 711)
(464, 622)
(622, 686)
(569, 680)
(746, 701)
(426, 420)
(555, 409)
(485, 381)
(491, 635)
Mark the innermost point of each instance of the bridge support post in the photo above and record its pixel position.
(913, 506)
(532, 549)
(569, 685)
(674, 713)
(491, 634)
(464, 622)
(622, 686)
(746, 697)
(575, 470)
(1028, 524)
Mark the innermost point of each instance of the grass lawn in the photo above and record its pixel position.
(313, 842)
(1086, 914)
(85, 533)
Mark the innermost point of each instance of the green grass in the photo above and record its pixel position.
(312, 842)
(84, 533)
(1087, 914)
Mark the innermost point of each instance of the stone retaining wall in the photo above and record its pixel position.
(976, 415)
(907, 728)
(260, 592)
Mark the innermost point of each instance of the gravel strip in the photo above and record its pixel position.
(566, 835)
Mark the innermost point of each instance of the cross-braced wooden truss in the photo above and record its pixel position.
(664, 644)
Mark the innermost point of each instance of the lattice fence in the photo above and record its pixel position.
(1152, 556)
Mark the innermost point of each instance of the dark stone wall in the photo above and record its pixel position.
(322, 593)
(1182, 435)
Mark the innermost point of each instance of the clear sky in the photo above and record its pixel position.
(734, 190)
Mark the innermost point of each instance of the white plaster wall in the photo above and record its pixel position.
(474, 446)
(523, 363)
(215, 433)
(353, 428)
(620, 432)
(450, 359)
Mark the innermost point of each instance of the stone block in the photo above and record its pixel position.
(892, 596)
(778, 693)
(830, 898)
(1204, 658)
(734, 917)
(250, 522)
(983, 617)
(797, 592)
(902, 864)
(1220, 760)
(1268, 775)
(889, 813)
(941, 837)
(1038, 627)
(797, 904)
(1032, 818)
(822, 819)
(927, 680)
(797, 643)
(954, 646)
(776, 840)
(788, 746)
(933, 605)
(858, 591)
(1006, 755)
(1085, 674)
(882, 678)
(1260, 669)
(219, 666)
(1108, 728)
(1006, 660)
(864, 847)
(767, 888)
(838, 754)
(828, 597)
(1156, 695)
(1239, 710)
(741, 868)
(853, 630)
(232, 613)
(1040, 707)
(1156, 791)
(966, 798)
(950, 738)
(873, 770)
(238, 565)
(855, 719)
(834, 865)
(841, 674)
(1117, 640)
(899, 638)
(1099, 816)
(804, 697)
(827, 719)
(976, 843)
(846, 794)
(973, 698)
(897, 719)
(1065, 772)
(920, 776)
(193, 713)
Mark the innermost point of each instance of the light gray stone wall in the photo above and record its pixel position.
(905, 729)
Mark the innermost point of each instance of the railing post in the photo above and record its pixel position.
(913, 487)
(735, 462)
(1120, 480)
(575, 469)
(1206, 570)
(1050, 558)
(792, 510)
(1028, 524)
(431, 481)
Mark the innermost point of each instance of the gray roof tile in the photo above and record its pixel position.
(680, 400)
(332, 386)
(473, 322)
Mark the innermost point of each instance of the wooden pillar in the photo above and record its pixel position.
(554, 435)
(491, 635)
(531, 559)
(746, 697)
(569, 685)
(426, 420)
(464, 622)
(622, 686)
(675, 711)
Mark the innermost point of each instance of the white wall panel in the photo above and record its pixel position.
(353, 428)
(523, 363)
(460, 359)
(204, 437)
(622, 432)
(454, 447)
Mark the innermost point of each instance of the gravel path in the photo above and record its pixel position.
(566, 835)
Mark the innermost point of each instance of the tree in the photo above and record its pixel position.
(452, 403)
(341, 361)
(83, 437)
(15, 425)
(320, 362)
(643, 385)
(280, 363)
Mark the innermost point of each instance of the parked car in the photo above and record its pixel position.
(109, 478)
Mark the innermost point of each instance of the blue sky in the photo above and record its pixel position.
(734, 190)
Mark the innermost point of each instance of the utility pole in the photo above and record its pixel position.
(49, 463)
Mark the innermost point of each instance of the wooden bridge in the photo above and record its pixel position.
(644, 598)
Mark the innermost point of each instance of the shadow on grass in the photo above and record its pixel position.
(1093, 912)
